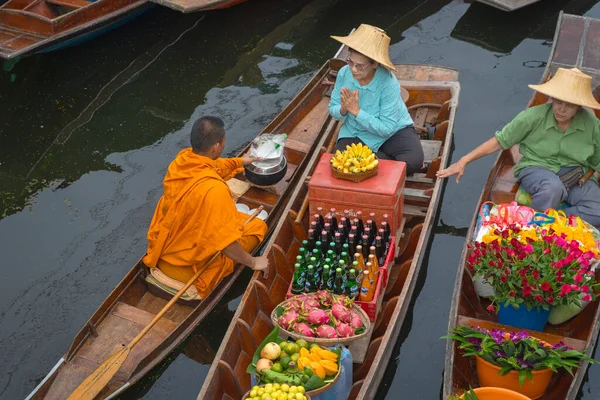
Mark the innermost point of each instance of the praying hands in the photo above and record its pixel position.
(349, 102)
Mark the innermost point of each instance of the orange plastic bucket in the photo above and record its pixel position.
(494, 393)
(487, 374)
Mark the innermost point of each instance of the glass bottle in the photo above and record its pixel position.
(344, 267)
(321, 219)
(309, 283)
(351, 244)
(365, 246)
(361, 226)
(298, 283)
(374, 269)
(325, 277)
(351, 285)
(334, 222)
(338, 287)
(367, 288)
(380, 252)
(311, 239)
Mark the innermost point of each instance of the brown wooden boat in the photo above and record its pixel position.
(575, 45)
(508, 5)
(131, 305)
(30, 26)
(433, 99)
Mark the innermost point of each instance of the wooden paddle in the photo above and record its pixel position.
(94, 383)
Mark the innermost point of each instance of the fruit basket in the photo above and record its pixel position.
(248, 396)
(355, 164)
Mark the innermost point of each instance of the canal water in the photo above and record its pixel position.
(87, 133)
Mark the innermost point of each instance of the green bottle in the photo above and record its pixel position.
(344, 269)
(338, 287)
(310, 284)
(326, 282)
(298, 283)
(352, 289)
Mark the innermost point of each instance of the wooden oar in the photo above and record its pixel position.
(94, 383)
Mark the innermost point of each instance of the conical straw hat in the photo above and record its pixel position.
(371, 42)
(570, 85)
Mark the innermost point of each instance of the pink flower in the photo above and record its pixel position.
(512, 293)
(536, 274)
(585, 289)
(577, 278)
(587, 297)
(491, 309)
(549, 300)
(528, 249)
(574, 287)
(565, 289)
(545, 286)
(527, 291)
(507, 271)
(503, 279)
(547, 251)
(538, 298)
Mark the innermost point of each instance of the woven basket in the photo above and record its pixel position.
(322, 341)
(354, 177)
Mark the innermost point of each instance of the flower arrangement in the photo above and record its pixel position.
(535, 267)
(516, 351)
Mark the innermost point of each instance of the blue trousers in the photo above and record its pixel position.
(547, 191)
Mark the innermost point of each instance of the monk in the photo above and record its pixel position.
(196, 216)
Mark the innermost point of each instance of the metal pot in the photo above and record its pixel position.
(266, 172)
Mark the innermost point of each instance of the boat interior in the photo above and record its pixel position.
(133, 304)
(430, 104)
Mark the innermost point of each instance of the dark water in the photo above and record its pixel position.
(87, 133)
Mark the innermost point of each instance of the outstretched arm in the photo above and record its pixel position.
(236, 252)
(458, 168)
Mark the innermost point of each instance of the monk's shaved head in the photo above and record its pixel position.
(206, 132)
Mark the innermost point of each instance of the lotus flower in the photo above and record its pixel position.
(324, 298)
(317, 317)
(326, 331)
(355, 320)
(288, 319)
(304, 329)
(340, 312)
(344, 330)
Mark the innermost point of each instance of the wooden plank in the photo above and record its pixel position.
(110, 330)
(420, 178)
(431, 149)
(420, 116)
(142, 317)
(414, 211)
(70, 3)
(416, 194)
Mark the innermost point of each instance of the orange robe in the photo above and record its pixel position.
(195, 218)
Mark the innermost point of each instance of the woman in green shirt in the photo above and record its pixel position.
(554, 139)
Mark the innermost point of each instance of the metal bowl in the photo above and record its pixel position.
(266, 172)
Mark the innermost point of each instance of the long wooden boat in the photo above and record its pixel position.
(31, 26)
(576, 44)
(508, 5)
(131, 305)
(433, 99)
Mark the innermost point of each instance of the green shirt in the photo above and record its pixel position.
(543, 143)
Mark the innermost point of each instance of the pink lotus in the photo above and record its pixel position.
(326, 331)
(355, 320)
(317, 317)
(344, 330)
(288, 319)
(324, 298)
(304, 329)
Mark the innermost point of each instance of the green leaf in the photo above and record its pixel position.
(522, 376)
(279, 310)
(314, 383)
(271, 337)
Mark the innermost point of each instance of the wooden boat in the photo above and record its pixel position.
(132, 304)
(575, 45)
(30, 26)
(508, 5)
(433, 98)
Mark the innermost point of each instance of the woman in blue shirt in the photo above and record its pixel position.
(366, 98)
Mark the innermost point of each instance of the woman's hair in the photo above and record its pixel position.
(371, 61)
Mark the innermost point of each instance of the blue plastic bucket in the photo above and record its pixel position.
(523, 318)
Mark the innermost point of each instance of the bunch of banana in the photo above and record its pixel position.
(355, 159)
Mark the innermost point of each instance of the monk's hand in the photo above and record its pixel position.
(261, 263)
(250, 159)
(458, 169)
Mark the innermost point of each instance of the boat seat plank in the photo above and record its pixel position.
(552, 339)
(153, 304)
(420, 178)
(142, 317)
(69, 3)
(73, 373)
(416, 194)
(431, 149)
(302, 147)
(414, 211)
(110, 329)
(310, 126)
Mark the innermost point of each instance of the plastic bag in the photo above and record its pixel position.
(268, 146)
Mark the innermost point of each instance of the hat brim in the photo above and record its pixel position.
(569, 97)
(365, 51)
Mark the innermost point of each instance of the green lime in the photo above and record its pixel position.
(292, 348)
(313, 345)
(277, 367)
(295, 357)
(308, 371)
(284, 361)
(302, 343)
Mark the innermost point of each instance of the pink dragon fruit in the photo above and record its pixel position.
(344, 330)
(355, 321)
(326, 331)
(294, 305)
(343, 300)
(304, 329)
(300, 298)
(310, 304)
(340, 312)
(324, 298)
(288, 319)
(317, 317)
